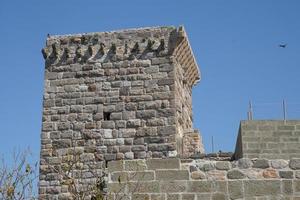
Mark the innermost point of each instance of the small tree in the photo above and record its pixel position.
(17, 180)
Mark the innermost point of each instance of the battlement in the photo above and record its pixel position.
(130, 44)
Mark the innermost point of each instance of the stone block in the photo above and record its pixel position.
(254, 188)
(140, 197)
(135, 165)
(129, 155)
(196, 175)
(245, 163)
(115, 166)
(279, 164)
(146, 114)
(172, 186)
(141, 176)
(173, 196)
(235, 189)
(172, 163)
(127, 133)
(133, 123)
(223, 165)
(203, 196)
(117, 187)
(261, 163)
(219, 196)
(286, 174)
(295, 163)
(108, 124)
(296, 184)
(235, 174)
(144, 187)
(216, 175)
(200, 186)
(166, 130)
(287, 187)
(207, 166)
(270, 173)
(120, 177)
(172, 175)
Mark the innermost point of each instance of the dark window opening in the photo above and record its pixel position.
(106, 116)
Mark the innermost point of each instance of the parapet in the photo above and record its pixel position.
(270, 139)
(129, 44)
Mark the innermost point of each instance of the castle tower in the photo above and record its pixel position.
(117, 95)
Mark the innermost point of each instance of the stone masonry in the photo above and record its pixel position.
(116, 95)
(175, 179)
(271, 139)
(118, 105)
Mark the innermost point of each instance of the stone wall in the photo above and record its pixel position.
(111, 96)
(175, 179)
(268, 139)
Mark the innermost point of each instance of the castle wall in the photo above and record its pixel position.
(189, 140)
(271, 139)
(174, 179)
(108, 96)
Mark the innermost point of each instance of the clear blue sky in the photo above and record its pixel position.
(234, 42)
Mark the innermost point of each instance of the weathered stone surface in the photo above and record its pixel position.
(144, 187)
(286, 174)
(261, 187)
(172, 186)
(244, 163)
(172, 175)
(115, 166)
(112, 98)
(279, 163)
(235, 189)
(135, 165)
(295, 163)
(261, 163)
(198, 175)
(199, 186)
(163, 164)
(235, 174)
(219, 196)
(270, 173)
(223, 165)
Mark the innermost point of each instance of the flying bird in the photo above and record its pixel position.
(282, 45)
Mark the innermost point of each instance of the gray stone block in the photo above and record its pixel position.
(279, 163)
(235, 174)
(172, 175)
(172, 163)
(172, 186)
(261, 163)
(286, 174)
(113, 166)
(295, 163)
(223, 165)
(199, 186)
(135, 165)
(235, 189)
(244, 163)
(144, 187)
(254, 188)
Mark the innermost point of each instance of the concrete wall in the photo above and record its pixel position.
(268, 139)
(174, 179)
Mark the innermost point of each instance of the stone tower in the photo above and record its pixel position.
(117, 95)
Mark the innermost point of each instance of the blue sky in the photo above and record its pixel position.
(234, 42)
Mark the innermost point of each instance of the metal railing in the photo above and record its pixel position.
(273, 110)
